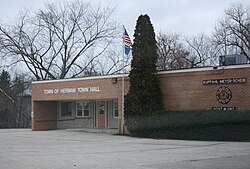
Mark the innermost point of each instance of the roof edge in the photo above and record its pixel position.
(205, 69)
(80, 78)
(161, 72)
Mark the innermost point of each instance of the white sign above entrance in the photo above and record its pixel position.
(71, 90)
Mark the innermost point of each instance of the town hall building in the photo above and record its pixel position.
(96, 102)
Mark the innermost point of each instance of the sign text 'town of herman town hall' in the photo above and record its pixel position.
(71, 90)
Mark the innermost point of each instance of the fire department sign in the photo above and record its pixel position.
(224, 95)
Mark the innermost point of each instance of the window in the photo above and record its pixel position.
(79, 106)
(86, 108)
(115, 109)
(101, 107)
(82, 109)
(65, 109)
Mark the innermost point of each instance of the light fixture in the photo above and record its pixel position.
(114, 80)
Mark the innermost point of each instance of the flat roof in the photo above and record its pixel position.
(161, 72)
(80, 78)
(205, 68)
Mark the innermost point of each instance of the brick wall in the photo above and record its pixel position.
(185, 90)
(45, 115)
(107, 89)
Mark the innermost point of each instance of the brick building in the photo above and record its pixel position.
(95, 102)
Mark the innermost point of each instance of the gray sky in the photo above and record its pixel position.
(188, 17)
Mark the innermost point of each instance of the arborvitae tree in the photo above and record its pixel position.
(6, 104)
(144, 95)
(5, 81)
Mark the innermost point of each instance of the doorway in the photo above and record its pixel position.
(101, 111)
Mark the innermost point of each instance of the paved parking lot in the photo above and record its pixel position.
(75, 149)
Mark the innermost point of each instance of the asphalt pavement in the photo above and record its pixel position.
(78, 149)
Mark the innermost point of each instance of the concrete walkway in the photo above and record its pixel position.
(72, 149)
(95, 130)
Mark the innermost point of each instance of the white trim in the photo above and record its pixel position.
(76, 79)
(205, 69)
(83, 109)
(113, 106)
(161, 72)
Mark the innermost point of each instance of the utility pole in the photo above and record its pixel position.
(7, 95)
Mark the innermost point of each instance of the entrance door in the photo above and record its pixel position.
(100, 113)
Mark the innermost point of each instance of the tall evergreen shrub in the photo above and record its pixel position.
(144, 95)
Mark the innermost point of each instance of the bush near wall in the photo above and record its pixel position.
(194, 125)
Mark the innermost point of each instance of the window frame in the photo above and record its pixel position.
(83, 102)
(60, 110)
(114, 109)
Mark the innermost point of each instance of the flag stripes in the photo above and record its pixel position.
(127, 42)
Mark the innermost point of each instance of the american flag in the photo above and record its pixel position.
(127, 42)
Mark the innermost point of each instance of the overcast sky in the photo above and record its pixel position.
(188, 17)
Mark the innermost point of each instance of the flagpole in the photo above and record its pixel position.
(126, 49)
(123, 92)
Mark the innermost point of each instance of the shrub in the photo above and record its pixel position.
(167, 124)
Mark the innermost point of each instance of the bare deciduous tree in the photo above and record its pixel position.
(172, 52)
(117, 64)
(232, 35)
(61, 40)
(176, 52)
(200, 49)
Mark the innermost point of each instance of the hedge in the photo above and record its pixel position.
(183, 123)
